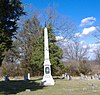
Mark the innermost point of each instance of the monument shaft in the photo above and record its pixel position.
(46, 48)
(47, 78)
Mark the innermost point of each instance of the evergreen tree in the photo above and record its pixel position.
(55, 53)
(10, 11)
(37, 55)
(26, 39)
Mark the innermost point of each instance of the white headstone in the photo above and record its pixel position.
(96, 76)
(82, 76)
(29, 76)
(63, 76)
(68, 78)
(27, 90)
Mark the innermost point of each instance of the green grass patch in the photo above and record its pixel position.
(61, 87)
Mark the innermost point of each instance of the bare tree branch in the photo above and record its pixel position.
(75, 51)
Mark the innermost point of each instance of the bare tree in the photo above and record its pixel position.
(74, 51)
(97, 54)
(97, 50)
(97, 34)
(61, 25)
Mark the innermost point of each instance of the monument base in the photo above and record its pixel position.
(47, 80)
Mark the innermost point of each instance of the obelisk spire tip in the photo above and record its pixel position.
(45, 24)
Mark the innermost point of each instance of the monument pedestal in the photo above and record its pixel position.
(47, 80)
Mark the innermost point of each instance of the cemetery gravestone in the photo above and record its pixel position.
(63, 76)
(29, 76)
(81, 76)
(96, 76)
(25, 77)
(92, 77)
(6, 78)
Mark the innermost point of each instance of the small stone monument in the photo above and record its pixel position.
(25, 77)
(96, 77)
(29, 76)
(92, 77)
(6, 78)
(66, 76)
(81, 76)
(27, 90)
(85, 77)
(69, 77)
(99, 77)
(63, 76)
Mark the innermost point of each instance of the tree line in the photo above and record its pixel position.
(25, 52)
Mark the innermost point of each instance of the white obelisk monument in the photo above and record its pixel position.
(47, 78)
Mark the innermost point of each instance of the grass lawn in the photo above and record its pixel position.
(61, 87)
